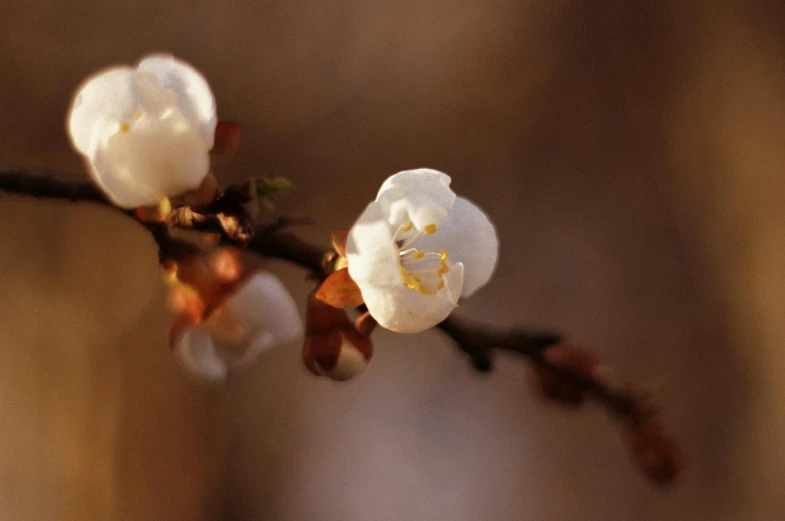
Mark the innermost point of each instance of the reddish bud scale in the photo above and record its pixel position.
(340, 291)
(321, 349)
(571, 357)
(228, 137)
(655, 453)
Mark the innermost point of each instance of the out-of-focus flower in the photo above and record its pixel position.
(229, 316)
(417, 249)
(145, 132)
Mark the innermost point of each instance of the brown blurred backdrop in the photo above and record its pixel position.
(631, 154)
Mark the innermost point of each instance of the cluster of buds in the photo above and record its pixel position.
(649, 445)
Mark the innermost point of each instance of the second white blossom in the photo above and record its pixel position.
(417, 249)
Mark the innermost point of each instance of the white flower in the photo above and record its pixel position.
(418, 248)
(259, 315)
(146, 132)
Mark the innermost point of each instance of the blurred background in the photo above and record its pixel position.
(631, 154)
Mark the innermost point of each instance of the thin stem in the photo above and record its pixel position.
(476, 339)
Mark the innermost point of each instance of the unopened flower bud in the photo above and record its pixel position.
(336, 355)
(333, 346)
(655, 453)
(573, 358)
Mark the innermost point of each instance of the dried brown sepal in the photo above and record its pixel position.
(237, 227)
(228, 137)
(655, 453)
(340, 291)
(571, 357)
(339, 237)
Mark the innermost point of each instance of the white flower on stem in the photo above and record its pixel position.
(417, 249)
(145, 132)
(259, 315)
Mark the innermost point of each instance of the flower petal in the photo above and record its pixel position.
(340, 291)
(469, 237)
(372, 255)
(196, 352)
(422, 196)
(264, 308)
(404, 310)
(453, 282)
(108, 95)
(259, 344)
(196, 98)
(155, 159)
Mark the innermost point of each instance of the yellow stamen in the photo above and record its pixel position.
(432, 274)
(444, 269)
(125, 127)
(137, 115)
(413, 282)
(402, 228)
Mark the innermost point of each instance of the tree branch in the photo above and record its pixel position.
(48, 184)
(476, 339)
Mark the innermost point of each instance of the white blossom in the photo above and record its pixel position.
(259, 315)
(145, 132)
(417, 249)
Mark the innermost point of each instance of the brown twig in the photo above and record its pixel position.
(476, 339)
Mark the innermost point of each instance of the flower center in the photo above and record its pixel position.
(421, 271)
(125, 127)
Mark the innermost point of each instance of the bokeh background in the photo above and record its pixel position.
(631, 153)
